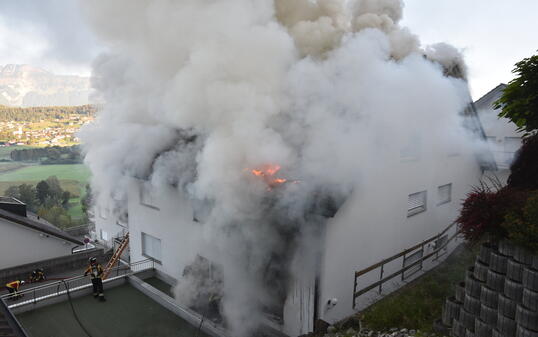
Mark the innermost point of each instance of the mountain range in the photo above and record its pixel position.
(27, 86)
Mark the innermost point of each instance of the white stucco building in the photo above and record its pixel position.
(412, 199)
(503, 138)
(24, 240)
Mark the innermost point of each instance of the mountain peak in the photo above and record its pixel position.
(26, 85)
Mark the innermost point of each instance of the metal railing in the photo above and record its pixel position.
(441, 242)
(13, 322)
(58, 288)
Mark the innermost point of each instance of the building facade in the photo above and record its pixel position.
(502, 136)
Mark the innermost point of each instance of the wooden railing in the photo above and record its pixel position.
(383, 279)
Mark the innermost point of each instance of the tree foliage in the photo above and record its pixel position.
(49, 155)
(522, 226)
(524, 169)
(35, 114)
(484, 209)
(519, 102)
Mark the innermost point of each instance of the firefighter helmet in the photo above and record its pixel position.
(22, 283)
(93, 260)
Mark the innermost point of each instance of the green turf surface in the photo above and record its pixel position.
(127, 313)
(36, 173)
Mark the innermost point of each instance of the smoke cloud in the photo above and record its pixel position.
(199, 93)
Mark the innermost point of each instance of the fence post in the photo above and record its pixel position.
(354, 290)
(381, 277)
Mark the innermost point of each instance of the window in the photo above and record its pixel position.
(104, 235)
(444, 194)
(151, 247)
(416, 203)
(147, 195)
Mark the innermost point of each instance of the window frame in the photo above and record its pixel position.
(142, 242)
(419, 209)
(447, 201)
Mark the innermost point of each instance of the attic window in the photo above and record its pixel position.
(416, 203)
(444, 194)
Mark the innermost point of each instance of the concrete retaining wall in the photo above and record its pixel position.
(52, 266)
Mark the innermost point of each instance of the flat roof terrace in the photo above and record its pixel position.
(126, 313)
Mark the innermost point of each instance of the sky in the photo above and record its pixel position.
(493, 35)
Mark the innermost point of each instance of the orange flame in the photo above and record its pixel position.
(267, 172)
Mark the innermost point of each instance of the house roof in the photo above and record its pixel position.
(486, 100)
(38, 226)
(485, 157)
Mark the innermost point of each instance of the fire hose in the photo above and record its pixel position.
(73, 309)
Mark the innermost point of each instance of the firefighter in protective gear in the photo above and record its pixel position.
(38, 275)
(96, 273)
(13, 288)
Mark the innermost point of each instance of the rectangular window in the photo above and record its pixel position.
(104, 235)
(444, 194)
(147, 195)
(151, 247)
(416, 203)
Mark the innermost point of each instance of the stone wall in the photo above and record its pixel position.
(499, 297)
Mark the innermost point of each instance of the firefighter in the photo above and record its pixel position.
(38, 275)
(96, 272)
(13, 288)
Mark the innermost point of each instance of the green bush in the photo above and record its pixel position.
(522, 225)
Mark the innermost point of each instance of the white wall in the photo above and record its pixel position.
(373, 223)
(107, 226)
(503, 139)
(172, 223)
(21, 245)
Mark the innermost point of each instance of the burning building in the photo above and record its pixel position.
(263, 152)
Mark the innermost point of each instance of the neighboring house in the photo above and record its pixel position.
(409, 201)
(23, 240)
(503, 138)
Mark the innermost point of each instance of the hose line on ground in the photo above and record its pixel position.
(73, 309)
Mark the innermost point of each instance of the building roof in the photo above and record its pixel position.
(38, 226)
(486, 100)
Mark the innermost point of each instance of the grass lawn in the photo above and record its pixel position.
(10, 166)
(73, 178)
(78, 172)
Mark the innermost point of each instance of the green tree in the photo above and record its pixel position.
(56, 215)
(13, 191)
(56, 191)
(522, 225)
(519, 102)
(27, 194)
(66, 195)
(42, 191)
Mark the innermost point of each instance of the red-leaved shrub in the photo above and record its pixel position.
(484, 210)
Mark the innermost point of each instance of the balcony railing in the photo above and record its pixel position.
(55, 289)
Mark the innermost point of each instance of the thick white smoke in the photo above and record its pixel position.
(200, 91)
